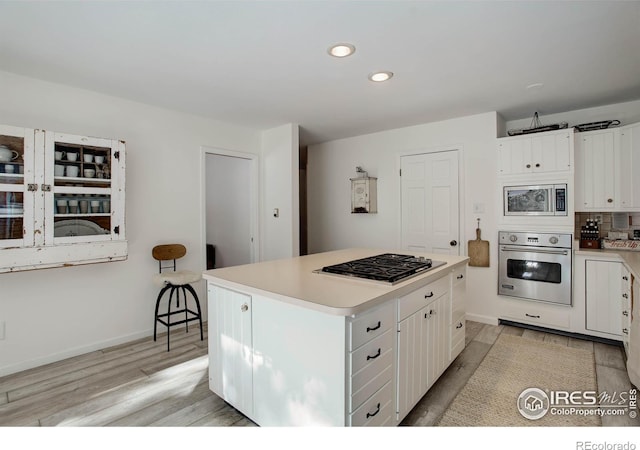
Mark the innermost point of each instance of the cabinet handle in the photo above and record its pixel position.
(609, 200)
(459, 325)
(528, 166)
(625, 313)
(374, 328)
(32, 187)
(374, 356)
(432, 312)
(625, 331)
(45, 187)
(529, 315)
(537, 164)
(460, 277)
(625, 295)
(374, 413)
(244, 307)
(625, 278)
(429, 295)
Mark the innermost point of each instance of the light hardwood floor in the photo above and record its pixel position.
(140, 384)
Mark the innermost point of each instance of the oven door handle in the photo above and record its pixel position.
(535, 250)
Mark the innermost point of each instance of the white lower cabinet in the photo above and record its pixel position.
(605, 292)
(425, 340)
(286, 365)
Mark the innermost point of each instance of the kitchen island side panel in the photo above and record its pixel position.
(299, 365)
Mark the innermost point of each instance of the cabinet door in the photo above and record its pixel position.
(603, 296)
(230, 347)
(630, 167)
(596, 174)
(17, 187)
(515, 156)
(409, 362)
(86, 200)
(551, 152)
(437, 345)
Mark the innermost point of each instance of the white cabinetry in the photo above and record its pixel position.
(630, 167)
(548, 152)
(597, 170)
(62, 199)
(604, 295)
(424, 341)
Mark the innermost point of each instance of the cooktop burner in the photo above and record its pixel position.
(387, 267)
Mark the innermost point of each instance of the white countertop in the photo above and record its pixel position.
(293, 280)
(629, 257)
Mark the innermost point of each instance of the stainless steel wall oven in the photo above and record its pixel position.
(535, 266)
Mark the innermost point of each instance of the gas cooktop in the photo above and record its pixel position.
(388, 268)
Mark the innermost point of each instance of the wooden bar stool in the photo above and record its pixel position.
(174, 281)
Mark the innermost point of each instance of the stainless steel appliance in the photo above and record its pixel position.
(389, 268)
(535, 266)
(538, 200)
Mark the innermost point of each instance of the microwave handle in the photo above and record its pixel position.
(534, 250)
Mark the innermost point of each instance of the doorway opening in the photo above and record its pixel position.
(230, 205)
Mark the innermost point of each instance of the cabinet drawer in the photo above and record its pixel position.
(371, 352)
(370, 325)
(421, 297)
(374, 383)
(534, 314)
(376, 411)
(459, 275)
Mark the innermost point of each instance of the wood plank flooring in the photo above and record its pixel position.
(139, 384)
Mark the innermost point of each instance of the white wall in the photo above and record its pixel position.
(228, 200)
(332, 164)
(281, 235)
(54, 313)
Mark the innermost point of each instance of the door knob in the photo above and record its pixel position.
(453, 243)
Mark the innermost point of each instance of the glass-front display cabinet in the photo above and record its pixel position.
(61, 195)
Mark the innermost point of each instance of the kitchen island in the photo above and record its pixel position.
(291, 346)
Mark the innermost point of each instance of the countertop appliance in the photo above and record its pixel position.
(535, 200)
(389, 268)
(535, 266)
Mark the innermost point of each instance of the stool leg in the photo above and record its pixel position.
(155, 322)
(195, 297)
(186, 312)
(173, 289)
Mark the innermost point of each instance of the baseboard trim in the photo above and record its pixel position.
(482, 319)
(585, 337)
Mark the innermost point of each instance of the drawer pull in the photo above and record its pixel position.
(459, 326)
(374, 413)
(374, 356)
(625, 331)
(374, 328)
(460, 277)
(625, 313)
(530, 315)
(429, 295)
(625, 278)
(625, 295)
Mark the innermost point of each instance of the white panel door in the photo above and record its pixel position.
(230, 347)
(604, 296)
(429, 203)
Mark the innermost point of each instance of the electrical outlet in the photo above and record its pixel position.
(598, 218)
(2, 327)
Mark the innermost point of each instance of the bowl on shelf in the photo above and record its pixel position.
(89, 173)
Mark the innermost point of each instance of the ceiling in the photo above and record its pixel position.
(263, 64)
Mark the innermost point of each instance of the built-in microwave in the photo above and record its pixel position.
(539, 200)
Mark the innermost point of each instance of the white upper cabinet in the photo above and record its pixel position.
(630, 167)
(539, 153)
(61, 199)
(606, 161)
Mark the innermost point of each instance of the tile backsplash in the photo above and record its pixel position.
(606, 223)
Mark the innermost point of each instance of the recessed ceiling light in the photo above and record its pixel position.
(341, 50)
(380, 76)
